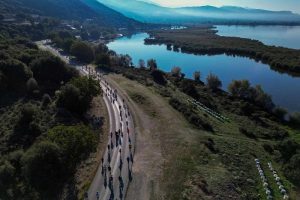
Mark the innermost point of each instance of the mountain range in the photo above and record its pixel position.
(153, 13)
(79, 10)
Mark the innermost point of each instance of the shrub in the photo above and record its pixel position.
(189, 88)
(102, 59)
(288, 148)
(69, 98)
(76, 142)
(176, 72)
(83, 51)
(213, 82)
(43, 167)
(152, 65)
(295, 119)
(158, 77)
(51, 71)
(292, 169)
(197, 76)
(32, 85)
(46, 100)
(240, 88)
(280, 113)
(142, 64)
(7, 174)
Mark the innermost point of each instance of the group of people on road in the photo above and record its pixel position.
(116, 142)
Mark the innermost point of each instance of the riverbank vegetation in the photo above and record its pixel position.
(205, 41)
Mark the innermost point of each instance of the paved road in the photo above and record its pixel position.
(115, 171)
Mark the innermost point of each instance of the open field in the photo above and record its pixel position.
(176, 160)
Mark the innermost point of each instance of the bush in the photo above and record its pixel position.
(7, 174)
(158, 77)
(51, 71)
(32, 86)
(70, 99)
(78, 94)
(43, 167)
(295, 119)
(280, 113)
(15, 73)
(76, 142)
(197, 76)
(176, 72)
(142, 64)
(83, 51)
(152, 65)
(213, 82)
(46, 100)
(288, 148)
(102, 59)
(189, 88)
(240, 89)
(292, 169)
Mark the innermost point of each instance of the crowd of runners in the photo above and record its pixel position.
(116, 164)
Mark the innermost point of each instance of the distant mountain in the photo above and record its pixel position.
(71, 10)
(147, 12)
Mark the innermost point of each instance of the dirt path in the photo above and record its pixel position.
(158, 128)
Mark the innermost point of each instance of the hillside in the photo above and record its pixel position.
(148, 12)
(79, 10)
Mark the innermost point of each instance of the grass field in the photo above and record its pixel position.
(175, 160)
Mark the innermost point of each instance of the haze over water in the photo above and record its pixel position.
(284, 89)
(285, 36)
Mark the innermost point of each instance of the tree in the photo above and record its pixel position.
(69, 98)
(15, 72)
(7, 174)
(43, 167)
(189, 88)
(51, 71)
(292, 169)
(158, 77)
(152, 65)
(213, 82)
(76, 143)
(176, 72)
(280, 113)
(32, 86)
(240, 88)
(263, 99)
(83, 51)
(102, 59)
(46, 100)
(78, 94)
(141, 64)
(295, 119)
(197, 76)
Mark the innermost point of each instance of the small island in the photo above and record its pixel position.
(205, 41)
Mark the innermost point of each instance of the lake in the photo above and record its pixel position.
(284, 89)
(285, 36)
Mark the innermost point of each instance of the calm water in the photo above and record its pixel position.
(285, 36)
(284, 89)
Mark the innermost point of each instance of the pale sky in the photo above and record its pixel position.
(291, 5)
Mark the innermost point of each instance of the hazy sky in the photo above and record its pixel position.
(292, 5)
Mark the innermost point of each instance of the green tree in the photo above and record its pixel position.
(102, 59)
(32, 86)
(176, 72)
(76, 142)
(15, 72)
(51, 71)
(152, 65)
(43, 167)
(295, 119)
(70, 98)
(240, 88)
(83, 51)
(197, 76)
(213, 82)
(292, 169)
(280, 113)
